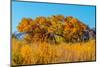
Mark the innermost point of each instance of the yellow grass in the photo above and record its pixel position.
(44, 53)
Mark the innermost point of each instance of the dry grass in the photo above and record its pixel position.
(44, 53)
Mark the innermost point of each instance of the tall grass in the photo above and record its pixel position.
(44, 53)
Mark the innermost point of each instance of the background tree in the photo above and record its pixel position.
(52, 28)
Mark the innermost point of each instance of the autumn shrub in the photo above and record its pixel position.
(16, 57)
(44, 53)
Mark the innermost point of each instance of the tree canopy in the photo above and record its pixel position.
(42, 27)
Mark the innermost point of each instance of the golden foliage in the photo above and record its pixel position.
(36, 46)
(57, 24)
(27, 54)
(44, 53)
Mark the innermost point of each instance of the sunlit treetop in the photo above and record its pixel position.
(56, 24)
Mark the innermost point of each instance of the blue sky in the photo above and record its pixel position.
(85, 14)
